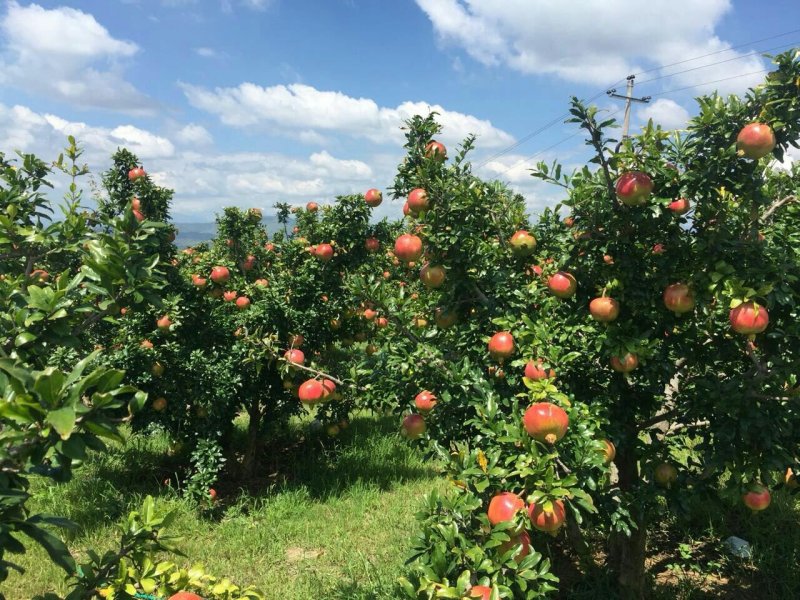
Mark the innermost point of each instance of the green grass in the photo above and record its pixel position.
(338, 525)
(337, 520)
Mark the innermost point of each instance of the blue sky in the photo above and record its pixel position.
(249, 102)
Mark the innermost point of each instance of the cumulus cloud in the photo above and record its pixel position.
(667, 113)
(65, 53)
(194, 135)
(299, 108)
(206, 181)
(593, 41)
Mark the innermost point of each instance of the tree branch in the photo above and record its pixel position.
(776, 205)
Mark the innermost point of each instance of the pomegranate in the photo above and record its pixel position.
(436, 151)
(749, 318)
(425, 401)
(445, 317)
(312, 207)
(626, 364)
(311, 391)
(680, 206)
(242, 302)
(372, 244)
(481, 592)
(679, 298)
(503, 507)
(522, 538)
(185, 596)
(535, 371)
(295, 357)
(408, 247)
(609, 451)
(755, 141)
(634, 188)
(604, 309)
(547, 516)
(522, 243)
(666, 474)
(757, 497)
(324, 252)
(545, 422)
(501, 346)
(373, 197)
(432, 276)
(220, 274)
(413, 426)
(417, 200)
(562, 284)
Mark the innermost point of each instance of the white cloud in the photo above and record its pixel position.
(45, 134)
(594, 41)
(66, 54)
(206, 52)
(667, 113)
(194, 135)
(303, 107)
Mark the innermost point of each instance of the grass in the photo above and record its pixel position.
(338, 526)
(337, 519)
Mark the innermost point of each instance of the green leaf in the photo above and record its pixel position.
(54, 547)
(63, 421)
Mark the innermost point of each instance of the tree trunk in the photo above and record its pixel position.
(250, 462)
(627, 554)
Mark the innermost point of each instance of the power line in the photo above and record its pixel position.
(719, 62)
(611, 114)
(563, 116)
(680, 62)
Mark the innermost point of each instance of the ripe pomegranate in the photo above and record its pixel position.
(535, 371)
(229, 296)
(679, 298)
(503, 507)
(408, 248)
(373, 197)
(481, 592)
(136, 204)
(432, 276)
(425, 401)
(417, 200)
(312, 207)
(757, 497)
(680, 206)
(634, 188)
(295, 357)
(501, 346)
(547, 516)
(146, 344)
(138, 215)
(406, 209)
(522, 538)
(164, 323)
(522, 243)
(261, 282)
(562, 284)
(436, 151)
(249, 263)
(296, 341)
(220, 274)
(755, 141)
(413, 426)
(324, 252)
(369, 314)
(666, 474)
(604, 309)
(445, 317)
(381, 322)
(311, 391)
(659, 249)
(749, 318)
(185, 596)
(609, 451)
(199, 281)
(372, 244)
(136, 173)
(159, 404)
(545, 422)
(328, 390)
(242, 302)
(626, 364)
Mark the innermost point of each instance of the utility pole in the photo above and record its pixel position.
(628, 97)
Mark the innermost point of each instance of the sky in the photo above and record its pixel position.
(252, 102)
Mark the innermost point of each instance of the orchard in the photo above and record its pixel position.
(583, 384)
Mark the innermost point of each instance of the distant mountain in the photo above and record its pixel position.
(190, 234)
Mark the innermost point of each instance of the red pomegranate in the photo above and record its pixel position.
(562, 284)
(311, 391)
(436, 150)
(481, 592)
(413, 426)
(501, 346)
(634, 188)
(503, 507)
(604, 309)
(679, 298)
(626, 364)
(522, 243)
(185, 596)
(680, 206)
(535, 371)
(432, 276)
(324, 252)
(545, 422)
(522, 538)
(295, 357)
(749, 318)
(547, 516)
(417, 200)
(373, 197)
(755, 141)
(220, 274)
(757, 497)
(425, 401)
(408, 248)
(372, 244)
